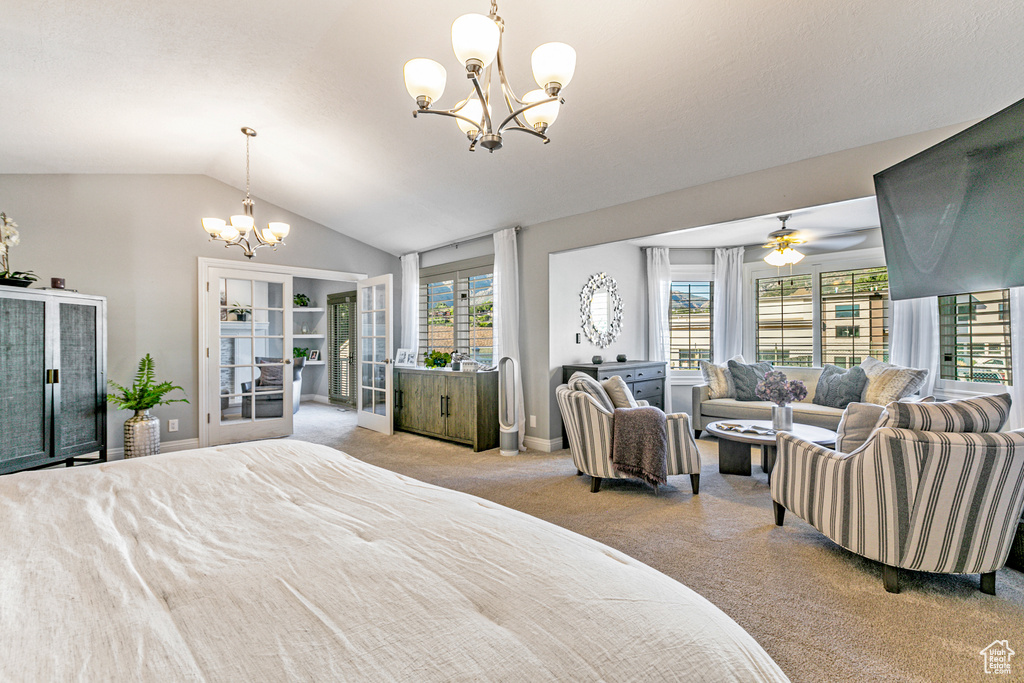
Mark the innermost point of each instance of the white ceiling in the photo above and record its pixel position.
(666, 95)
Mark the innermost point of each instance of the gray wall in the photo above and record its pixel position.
(812, 182)
(135, 239)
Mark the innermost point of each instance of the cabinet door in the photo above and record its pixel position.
(422, 402)
(25, 396)
(79, 394)
(461, 407)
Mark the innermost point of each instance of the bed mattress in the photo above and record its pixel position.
(285, 560)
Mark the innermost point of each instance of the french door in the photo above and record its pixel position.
(249, 355)
(375, 363)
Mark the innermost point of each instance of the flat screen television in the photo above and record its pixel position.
(952, 216)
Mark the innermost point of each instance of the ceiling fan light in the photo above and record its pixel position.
(553, 63)
(213, 225)
(471, 110)
(279, 230)
(475, 37)
(425, 78)
(792, 255)
(543, 114)
(776, 258)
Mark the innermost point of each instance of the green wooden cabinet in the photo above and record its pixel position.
(455, 406)
(53, 355)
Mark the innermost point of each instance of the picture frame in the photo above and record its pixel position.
(406, 358)
(314, 355)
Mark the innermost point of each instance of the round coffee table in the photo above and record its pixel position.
(734, 446)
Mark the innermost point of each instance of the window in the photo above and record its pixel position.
(785, 320)
(861, 293)
(457, 310)
(690, 324)
(974, 337)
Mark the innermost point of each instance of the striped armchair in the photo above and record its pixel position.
(928, 491)
(589, 428)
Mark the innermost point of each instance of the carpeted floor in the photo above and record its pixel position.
(818, 610)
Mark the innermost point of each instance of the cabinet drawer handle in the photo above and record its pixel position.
(628, 376)
(639, 374)
(441, 405)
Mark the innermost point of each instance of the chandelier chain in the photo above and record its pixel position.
(247, 166)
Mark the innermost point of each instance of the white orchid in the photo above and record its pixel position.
(9, 237)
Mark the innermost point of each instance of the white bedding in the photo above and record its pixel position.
(286, 560)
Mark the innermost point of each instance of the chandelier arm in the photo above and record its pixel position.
(483, 100)
(543, 137)
(446, 112)
(515, 114)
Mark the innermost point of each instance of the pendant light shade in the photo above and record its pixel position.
(553, 63)
(213, 225)
(425, 78)
(475, 37)
(475, 111)
(542, 115)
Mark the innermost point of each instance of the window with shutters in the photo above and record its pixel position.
(690, 323)
(457, 310)
(974, 337)
(785, 320)
(341, 348)
(854, 315)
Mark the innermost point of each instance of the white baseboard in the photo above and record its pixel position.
(165, 447)
(545, 445)
(316, 398)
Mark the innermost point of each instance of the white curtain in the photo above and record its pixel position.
(659, 291)
(506, 316)
(914, 337)
(410, 302)
(1017, 357)
(727, 304)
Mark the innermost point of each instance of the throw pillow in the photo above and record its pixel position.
(887, 383)
(839, 388)
(588, 385)
(619, 392)
(856, 425)
(978, 414)
(270, 375)
(719, 378)
(746, 376)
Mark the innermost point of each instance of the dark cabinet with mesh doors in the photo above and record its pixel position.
(53, 374)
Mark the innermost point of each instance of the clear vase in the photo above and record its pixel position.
(141, 435)
(782, 418)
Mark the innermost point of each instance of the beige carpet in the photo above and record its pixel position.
(818, 610)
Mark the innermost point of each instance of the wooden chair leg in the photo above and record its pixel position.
(579, 473)
(780, 513)
(695, 483)
(595, 484)
(988, 583)
(891, 578)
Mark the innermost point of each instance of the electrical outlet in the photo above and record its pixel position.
(533, 421)
(172, 425)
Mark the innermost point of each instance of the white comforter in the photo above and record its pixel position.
(286, 560)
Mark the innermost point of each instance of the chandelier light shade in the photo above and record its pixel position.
(476, 41)
(782, 253)
(236, 233)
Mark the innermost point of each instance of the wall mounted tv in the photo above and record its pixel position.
(952, 216)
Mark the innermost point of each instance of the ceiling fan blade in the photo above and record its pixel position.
(836, 243)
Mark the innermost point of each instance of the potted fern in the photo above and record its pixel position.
(142, 431)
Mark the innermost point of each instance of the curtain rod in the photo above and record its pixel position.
(466, 240)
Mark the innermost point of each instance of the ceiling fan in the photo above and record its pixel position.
(781, 244)
(782, 240)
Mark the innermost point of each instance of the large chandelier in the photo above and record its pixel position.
(237, 232)
(476, 40)
(782, 252)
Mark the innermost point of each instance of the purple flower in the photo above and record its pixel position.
(776, 389)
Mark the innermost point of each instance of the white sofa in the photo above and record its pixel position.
(707, 410)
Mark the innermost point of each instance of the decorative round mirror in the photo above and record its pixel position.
(601, 310)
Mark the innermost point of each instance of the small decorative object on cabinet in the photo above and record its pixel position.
(9, 237)
(405, 358)
(621, 358)
(53, 365)
(645, 379)
(436, 359)
(142, 431)
(597, 360)
(455, 406)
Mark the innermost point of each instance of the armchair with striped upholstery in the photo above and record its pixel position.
(935, 488)
(588, 425)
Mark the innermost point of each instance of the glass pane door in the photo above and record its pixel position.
(374, 304)
(250, 356)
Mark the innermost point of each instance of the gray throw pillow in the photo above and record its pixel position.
(839, 388)
(746, 376)
(270, 375)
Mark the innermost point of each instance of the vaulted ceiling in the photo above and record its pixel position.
(666, 95)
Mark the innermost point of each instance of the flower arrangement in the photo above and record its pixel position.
(9, 237)
(776, 389)
(436, 359)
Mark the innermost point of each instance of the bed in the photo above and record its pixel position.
(286, 560)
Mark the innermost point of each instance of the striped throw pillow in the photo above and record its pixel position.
(979, 414)
(588, 385)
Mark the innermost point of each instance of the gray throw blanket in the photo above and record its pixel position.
(640, 444)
